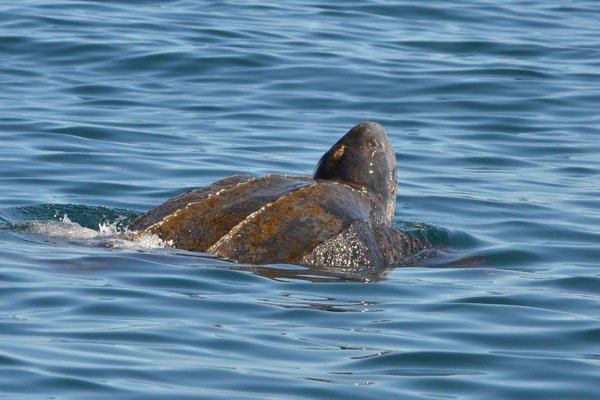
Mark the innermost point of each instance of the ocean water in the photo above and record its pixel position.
(108, 108)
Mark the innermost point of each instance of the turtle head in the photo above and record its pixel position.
(363, 158)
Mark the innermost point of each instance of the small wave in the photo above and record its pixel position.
(435, 235)
(67, 232)
(86, 226)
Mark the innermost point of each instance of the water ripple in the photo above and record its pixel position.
(109, 108)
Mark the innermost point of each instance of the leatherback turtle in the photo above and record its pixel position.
(340, 217)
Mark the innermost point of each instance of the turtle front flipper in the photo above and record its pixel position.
(354, 247)
(366, 244)
(396, 246)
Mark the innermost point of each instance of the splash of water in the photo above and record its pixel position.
(66, 230)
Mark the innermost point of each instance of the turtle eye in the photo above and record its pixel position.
(375, 145)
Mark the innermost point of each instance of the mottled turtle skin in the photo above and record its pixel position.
(339, 217)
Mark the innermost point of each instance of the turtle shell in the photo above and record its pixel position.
(281, 219)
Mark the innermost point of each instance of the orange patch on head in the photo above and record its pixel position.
(339, 152)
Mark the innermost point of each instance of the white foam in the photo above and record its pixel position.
(65, 231)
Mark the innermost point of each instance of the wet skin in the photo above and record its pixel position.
(340, 217)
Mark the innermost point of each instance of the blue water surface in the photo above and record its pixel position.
(108, 108)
